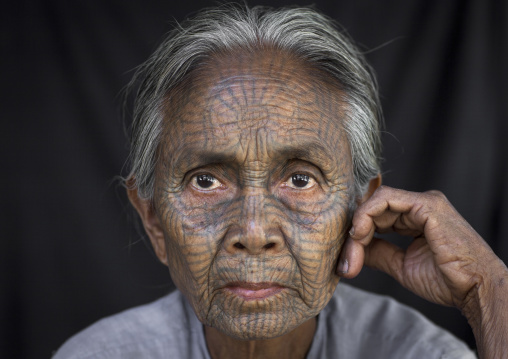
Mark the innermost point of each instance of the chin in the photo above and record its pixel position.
(259, 333)
(258, 326)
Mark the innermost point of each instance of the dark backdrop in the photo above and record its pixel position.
(69, 251)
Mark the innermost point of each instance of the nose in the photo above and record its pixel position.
(256, 230)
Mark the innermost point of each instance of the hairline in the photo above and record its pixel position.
(351, 105)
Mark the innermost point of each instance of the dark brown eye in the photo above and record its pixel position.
(300, 180)
(205, 181)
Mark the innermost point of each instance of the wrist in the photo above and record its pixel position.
(485, 294)
(486, 309)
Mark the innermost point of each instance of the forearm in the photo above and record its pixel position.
(487, 313)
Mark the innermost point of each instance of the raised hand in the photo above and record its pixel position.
(447, 262)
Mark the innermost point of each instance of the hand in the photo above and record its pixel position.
(447, 261)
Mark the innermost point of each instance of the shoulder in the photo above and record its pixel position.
(376, 325)
(151, 330)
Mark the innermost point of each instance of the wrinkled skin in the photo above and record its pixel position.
(251, 123)
(447, 262)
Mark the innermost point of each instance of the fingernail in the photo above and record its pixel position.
(343, 266)
(352, 231)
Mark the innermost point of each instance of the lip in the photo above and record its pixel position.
(254, 291)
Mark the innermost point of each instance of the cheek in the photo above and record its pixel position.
(315, 235)
(315, 226)
(192, 236)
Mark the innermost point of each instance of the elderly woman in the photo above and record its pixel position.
(255, 171)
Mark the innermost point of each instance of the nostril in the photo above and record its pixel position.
(269, 245)
(239, 245)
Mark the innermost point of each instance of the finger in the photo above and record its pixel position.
(391, 209)
(386, 257)
(391, 221)
(385, 221)
(396, 200)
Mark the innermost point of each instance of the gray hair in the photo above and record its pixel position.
(303, 32)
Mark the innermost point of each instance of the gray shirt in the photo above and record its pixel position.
(354, 324)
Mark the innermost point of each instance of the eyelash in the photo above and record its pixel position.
(287, 183)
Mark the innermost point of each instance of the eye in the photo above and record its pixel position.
(205, 181)
(300, 181)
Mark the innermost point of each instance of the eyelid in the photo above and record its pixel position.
(295, 166)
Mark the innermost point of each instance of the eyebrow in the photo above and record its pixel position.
(199, 158)
(307, 151)
(310, 151)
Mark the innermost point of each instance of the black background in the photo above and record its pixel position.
(70, 253)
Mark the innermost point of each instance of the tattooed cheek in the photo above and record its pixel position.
(205, 220)
(307, 213)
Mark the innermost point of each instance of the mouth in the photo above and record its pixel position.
(254, 291)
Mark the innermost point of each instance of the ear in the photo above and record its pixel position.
(352, 253)
(373, 186)
(150, 221)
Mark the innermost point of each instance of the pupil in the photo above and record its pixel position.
(205, 181)
(300, 180)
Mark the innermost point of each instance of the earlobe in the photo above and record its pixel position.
(374, 184)
(150, 221)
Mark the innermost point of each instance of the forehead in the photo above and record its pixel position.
(265, 97)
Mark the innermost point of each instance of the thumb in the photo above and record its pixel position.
(385, 256)
(351, 259)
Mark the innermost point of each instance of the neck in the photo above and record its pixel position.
(294, 344)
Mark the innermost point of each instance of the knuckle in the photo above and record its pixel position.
(437, 200)
(436, 196)
(382, 190)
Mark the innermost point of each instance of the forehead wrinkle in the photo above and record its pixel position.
(215, 144)
(296, 100)
(306, 148)
(259, 89)
(213, 84)
(302, 104)
(295, 115)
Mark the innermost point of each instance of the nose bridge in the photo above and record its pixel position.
(256, 231)
(253, 215)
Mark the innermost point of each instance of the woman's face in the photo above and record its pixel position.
(253, 189)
